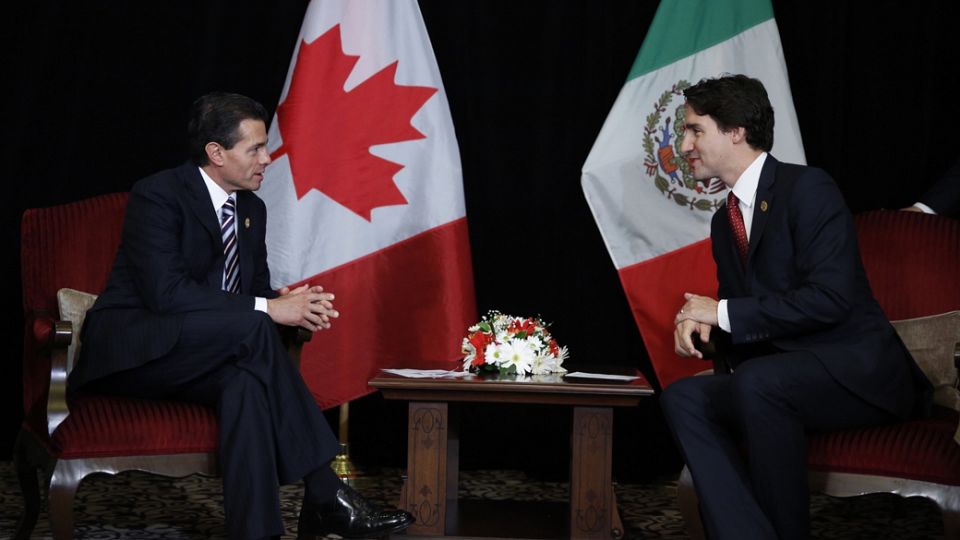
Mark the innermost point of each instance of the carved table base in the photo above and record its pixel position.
(430, 490)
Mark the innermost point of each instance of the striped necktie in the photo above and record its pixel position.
(735, 217)
(228, 232)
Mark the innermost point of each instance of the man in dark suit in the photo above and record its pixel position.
(189, 314)
(809, 347)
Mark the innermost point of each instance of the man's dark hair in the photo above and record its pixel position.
(735, 101)
(216, 117)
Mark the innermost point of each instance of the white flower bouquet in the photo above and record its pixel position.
(511, 344)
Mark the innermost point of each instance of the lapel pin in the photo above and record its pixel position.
(246, 222)
(763, 208)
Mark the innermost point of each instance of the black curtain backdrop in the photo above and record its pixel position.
(99, 92)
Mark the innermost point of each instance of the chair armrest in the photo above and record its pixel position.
(293, 339)
(57, 409)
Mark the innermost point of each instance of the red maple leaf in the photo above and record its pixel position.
(327, 132)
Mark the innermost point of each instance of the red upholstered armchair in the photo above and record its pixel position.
(73, 246)
(913, 263)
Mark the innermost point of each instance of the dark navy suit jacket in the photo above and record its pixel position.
(804, 289)
(170, 262)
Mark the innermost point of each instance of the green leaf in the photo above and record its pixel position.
(661, 183)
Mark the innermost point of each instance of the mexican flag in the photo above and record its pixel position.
(654, 217)
(365, 196)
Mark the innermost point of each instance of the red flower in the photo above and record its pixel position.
(554, 348)
(479, 340)
(527, 326)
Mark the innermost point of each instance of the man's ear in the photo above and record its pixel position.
(214, 153)
(738, 135)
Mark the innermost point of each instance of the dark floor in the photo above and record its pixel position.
(140, 506)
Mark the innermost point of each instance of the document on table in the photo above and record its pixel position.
(427, 373)
(606, 376)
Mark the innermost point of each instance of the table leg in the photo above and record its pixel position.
(591, 496)
(425, 491)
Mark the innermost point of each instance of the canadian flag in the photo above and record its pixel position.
(365, 196)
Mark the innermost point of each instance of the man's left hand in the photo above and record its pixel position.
(702, 309)
(316, 307)
(683, 338)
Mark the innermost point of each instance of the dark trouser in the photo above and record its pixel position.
(271, 431)
(764, 408)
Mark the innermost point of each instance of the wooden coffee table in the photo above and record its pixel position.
(430, 490)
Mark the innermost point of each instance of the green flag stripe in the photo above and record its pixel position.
(683, 27)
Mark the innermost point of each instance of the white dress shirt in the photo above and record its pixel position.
(218, 197)
(745, 188)
(926, 209)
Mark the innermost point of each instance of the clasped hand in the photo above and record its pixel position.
(306, 306)
(697, 316)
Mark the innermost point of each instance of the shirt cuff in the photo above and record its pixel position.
(723, 318)
(926, 209)
(260, 304)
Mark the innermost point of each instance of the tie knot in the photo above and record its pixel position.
(732, 199)
(229, 205)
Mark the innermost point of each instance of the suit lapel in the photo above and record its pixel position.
(762, 204)
(732, 259)
(199, 200)
(244, 241)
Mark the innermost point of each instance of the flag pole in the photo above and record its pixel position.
(342, 466)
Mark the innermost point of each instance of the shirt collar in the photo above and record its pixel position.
(746, 187)
(217, 195)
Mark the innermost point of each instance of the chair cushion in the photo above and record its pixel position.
(931, 340)
(919, 449)
(106, 426)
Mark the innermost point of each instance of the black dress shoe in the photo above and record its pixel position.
(350, 515)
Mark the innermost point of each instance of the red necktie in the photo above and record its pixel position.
(736, 225)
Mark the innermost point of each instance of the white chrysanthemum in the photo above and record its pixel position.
(494, 354)
(536, 344)
(561, 356)
(547, 363)
(542, 365)
(470, 351)
(517, 353)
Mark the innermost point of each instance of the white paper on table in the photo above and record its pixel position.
(607, 376)
(426, 373)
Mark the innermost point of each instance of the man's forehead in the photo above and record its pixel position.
(253, 130)
(252, 125)
(691, 118)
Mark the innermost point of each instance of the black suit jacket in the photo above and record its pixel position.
(170, 262)
(804, 289)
